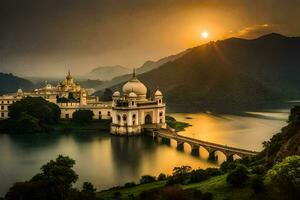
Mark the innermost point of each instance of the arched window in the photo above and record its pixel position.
(124, 117)
(161, 114)
(133, 116)
(119, 119)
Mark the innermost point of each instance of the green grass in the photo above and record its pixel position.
(215, 185)
(221, 190)
(109, 194)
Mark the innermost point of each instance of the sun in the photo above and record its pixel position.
(204, 34)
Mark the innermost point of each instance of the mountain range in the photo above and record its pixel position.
(106, 73)
(232, 74)
(10, 83)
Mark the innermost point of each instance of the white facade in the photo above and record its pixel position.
(132, 111)
(60, 95)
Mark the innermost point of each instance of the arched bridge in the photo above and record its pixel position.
(195, 144)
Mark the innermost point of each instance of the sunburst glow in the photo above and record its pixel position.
(204, 34)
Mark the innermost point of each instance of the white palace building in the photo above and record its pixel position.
(130, 110)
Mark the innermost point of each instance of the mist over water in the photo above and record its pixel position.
(108, 161)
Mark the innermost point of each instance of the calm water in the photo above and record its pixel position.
(107, 161)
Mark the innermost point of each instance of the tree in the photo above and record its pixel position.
(32, 114)
(286, 176)
(238, 176)
(147, 179)
(25, 124)
(294, 115)
(161, 177)
(53, 182)
(83, 116)
(44, 111)
(198, 175)
(88, 191)
(180, 175)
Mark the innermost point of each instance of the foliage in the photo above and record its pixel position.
(198, 175)
(54, 182)
(173, 123)
(257, 184)
(41, 109)
(32, 114)
(213, 171)
(180, 175)
(238, 176)
(147, 179)
(88, 191)
(228, 166)
(25, 124)
(129, 184)
(294, 114)
(286, 176)
(83, 116)
(161, 177)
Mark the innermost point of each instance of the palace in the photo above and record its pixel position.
(130, 111)
(68, 95)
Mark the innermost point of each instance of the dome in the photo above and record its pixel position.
(20, 91)
(134, 85)
(132, 95)
(158, 93)
(116, 94)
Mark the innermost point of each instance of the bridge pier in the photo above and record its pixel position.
(166, 141)
(180, 145)
(212, 155)
(195, 150)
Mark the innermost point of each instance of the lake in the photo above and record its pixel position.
(107, 160)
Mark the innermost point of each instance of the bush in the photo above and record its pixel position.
(238, 176)
(147, 179)
(83, 116)
(257, 184)
(198, 175)
(161, 177)
(180, 175)
(286, 176)
(129, 184)
(213, 171)
(228, 166)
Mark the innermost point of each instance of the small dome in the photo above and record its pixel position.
(20, 91)
(116, 94)
(132, 95)
(158, 93)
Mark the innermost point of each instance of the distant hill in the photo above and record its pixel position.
(10, 83)
(230, 75)
(90, 83)
(146, 67)
(106, 73)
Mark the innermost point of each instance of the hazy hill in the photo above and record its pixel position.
(10, 83)
(146, 67)
(234, 74)
(107, 72)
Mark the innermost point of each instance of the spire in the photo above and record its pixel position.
(69, 73)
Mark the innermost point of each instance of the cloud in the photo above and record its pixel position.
(255, 31)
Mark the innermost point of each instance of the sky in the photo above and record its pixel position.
(48, 37)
